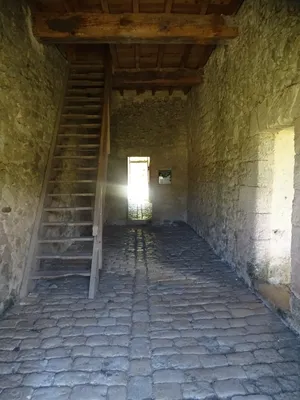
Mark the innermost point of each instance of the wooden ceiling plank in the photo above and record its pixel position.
(114, 55)
(160, 56)
(104, 5)
(185, 56)
(204, 6)
(205, 54)
(71, 5)
(162, 48)
(154, 79)
(137, 56)
(112, 47)
(84, 27)
(203, 10)
(193, 74)
(135, 6)
(168, 6)
(186, 71)
(35, 5)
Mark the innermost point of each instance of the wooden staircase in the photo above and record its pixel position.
(67, 237)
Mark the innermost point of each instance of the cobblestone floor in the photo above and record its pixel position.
(171, 322)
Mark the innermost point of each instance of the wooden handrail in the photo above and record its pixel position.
(104, 151)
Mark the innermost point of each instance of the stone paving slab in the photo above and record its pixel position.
(170, 322)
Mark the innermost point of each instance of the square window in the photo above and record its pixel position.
(165, 176)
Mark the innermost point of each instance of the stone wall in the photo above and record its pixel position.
(149, 126)
(250, 93)
(31, 81)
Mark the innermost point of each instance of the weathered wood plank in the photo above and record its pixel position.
(84, 27)
(168, 6)
(98, 218)
(104, 6)
(185, 56)
(157, 78)
(135, 6)
(204, 6)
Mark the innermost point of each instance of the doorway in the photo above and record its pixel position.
(139, 205)
(276, 205)
(282, 203)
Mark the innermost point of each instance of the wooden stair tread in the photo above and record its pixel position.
(76, 168)
(68, 208)
(96, 61)
(71, 194)
(79, 125)
(50, 274)
(82, 116)
(86, 82)
(84, 107)
(60, 223)
(91, 99)
(77, 146)
(98, 66)
(79, 157)
(73, 181)
(85, 90)
(65, 256)
(87, 76)
(85, 135)
(67, 239)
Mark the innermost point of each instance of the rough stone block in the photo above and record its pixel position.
(21, 393)
(197, 390)
(57, 393)
(117, 393)
(228, 388)
(166, 391)
(139, 388)
(38, 379)
(88, 392)
(140, 367)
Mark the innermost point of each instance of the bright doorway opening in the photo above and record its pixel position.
(139, 206)
(277, 287)
(282, 203)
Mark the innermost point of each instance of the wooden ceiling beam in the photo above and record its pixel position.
(35, 5)
(185, 56)
(114, 55)
(160, 56)
(70, 5)
(136, 9)
(135, 6)
(112, 47)
(104, 6)
(137, 55)
(204, 6)
(168, 6)
(84, 27)
(180, 78)
(161, 48)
